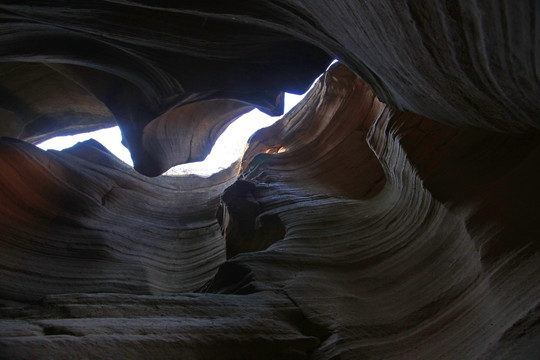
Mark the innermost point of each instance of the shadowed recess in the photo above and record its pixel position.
(392, 214)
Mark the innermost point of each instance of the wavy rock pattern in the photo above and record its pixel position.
(384, 272)
(94, 225)
(165, 141)
(351, 229)
(128, 56)
(39, 103)
(398, 275)
(458, 62)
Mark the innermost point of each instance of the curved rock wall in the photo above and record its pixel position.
(465, 63)
(386, 271)
(80, 220)
(398, 275)
(363, 225)
(39, 103)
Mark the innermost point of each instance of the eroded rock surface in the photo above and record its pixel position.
(82, 221)
(363, 225)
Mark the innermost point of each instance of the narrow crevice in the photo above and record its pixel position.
(244, 224)
(49, 330)
(306, 325)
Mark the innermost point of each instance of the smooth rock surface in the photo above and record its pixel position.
(80, 220)
(465, 63)
(392, 214)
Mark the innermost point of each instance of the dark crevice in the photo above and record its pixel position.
(57, 330)
(306, 325)
(244, 224)
(232, 277)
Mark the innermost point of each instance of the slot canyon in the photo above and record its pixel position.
(392, 214)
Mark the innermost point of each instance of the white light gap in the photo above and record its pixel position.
(228, 148)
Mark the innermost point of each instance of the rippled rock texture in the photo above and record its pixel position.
(382, 218)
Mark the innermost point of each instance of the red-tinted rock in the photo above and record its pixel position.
(392, 227)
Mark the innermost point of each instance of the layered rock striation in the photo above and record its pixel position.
(390, 215)
(80, 220)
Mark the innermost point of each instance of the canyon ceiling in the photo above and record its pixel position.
(392, 214)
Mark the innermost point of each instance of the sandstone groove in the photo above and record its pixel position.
(391, 215)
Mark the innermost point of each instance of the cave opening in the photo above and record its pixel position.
(392, 214)
(227, 149)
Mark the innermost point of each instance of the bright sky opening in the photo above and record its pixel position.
(228, 148)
